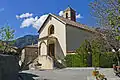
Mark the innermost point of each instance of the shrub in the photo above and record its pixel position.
(96, 59)
(107, 59)
(72, 60)
(75, 60)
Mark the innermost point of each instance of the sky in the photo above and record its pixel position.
(26, 16)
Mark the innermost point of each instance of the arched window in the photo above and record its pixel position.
(66, 15)
(51, 30)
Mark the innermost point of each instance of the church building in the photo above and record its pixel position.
(60, 36)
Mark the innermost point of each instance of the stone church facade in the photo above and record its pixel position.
(60, 36)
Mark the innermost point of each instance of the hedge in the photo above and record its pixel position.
(75, 60)
(99, 60)
(107, 60)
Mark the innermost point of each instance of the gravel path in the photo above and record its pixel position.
(66, 74)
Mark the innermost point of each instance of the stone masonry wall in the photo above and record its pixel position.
(9, 67)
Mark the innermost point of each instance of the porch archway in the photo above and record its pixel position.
(43, 48)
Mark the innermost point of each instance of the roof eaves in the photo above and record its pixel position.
(58, 18)
(31, 46)
(47, 19)
(89, 30)
(43, 24)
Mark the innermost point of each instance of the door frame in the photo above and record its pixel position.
(49, 51)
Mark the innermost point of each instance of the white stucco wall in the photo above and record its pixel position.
(69, 14)
(75, 37)
(22, 56)
(59, 32)
(43, 49)
(46, 61)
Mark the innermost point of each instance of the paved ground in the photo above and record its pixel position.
(108, 72)
(67, 74)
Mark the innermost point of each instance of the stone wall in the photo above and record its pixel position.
(29, 54)
(9, 67)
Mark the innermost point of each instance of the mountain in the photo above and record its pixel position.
(26, 40)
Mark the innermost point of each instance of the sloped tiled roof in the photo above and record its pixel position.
(70, 22)
(73, 23)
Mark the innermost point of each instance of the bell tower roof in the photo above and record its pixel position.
(70, 14)
(69, 9)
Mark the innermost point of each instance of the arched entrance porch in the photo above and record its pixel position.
(51, 42)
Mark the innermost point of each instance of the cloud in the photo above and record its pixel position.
(24, 15)
(78, 16)
(27, 22)
(36, 22)
(2, 9)
(61, 13)
(40, 21)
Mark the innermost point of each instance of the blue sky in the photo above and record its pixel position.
(9, 9)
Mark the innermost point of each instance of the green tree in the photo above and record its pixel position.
(107, 14)
(83, 53)
(73, 60)
(93, 48)
(6, 37)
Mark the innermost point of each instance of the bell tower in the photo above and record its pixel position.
(70, 14)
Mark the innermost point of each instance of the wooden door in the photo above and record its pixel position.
(51, 50)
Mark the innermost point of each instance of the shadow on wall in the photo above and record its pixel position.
(59, 62)
(27, 76)
(59, 52)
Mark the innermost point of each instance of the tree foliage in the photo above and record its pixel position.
(73, 60)
(6, 37)
(94, 51)
(6, 33)
(96, 45)
(107, 59)
(107, 14)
